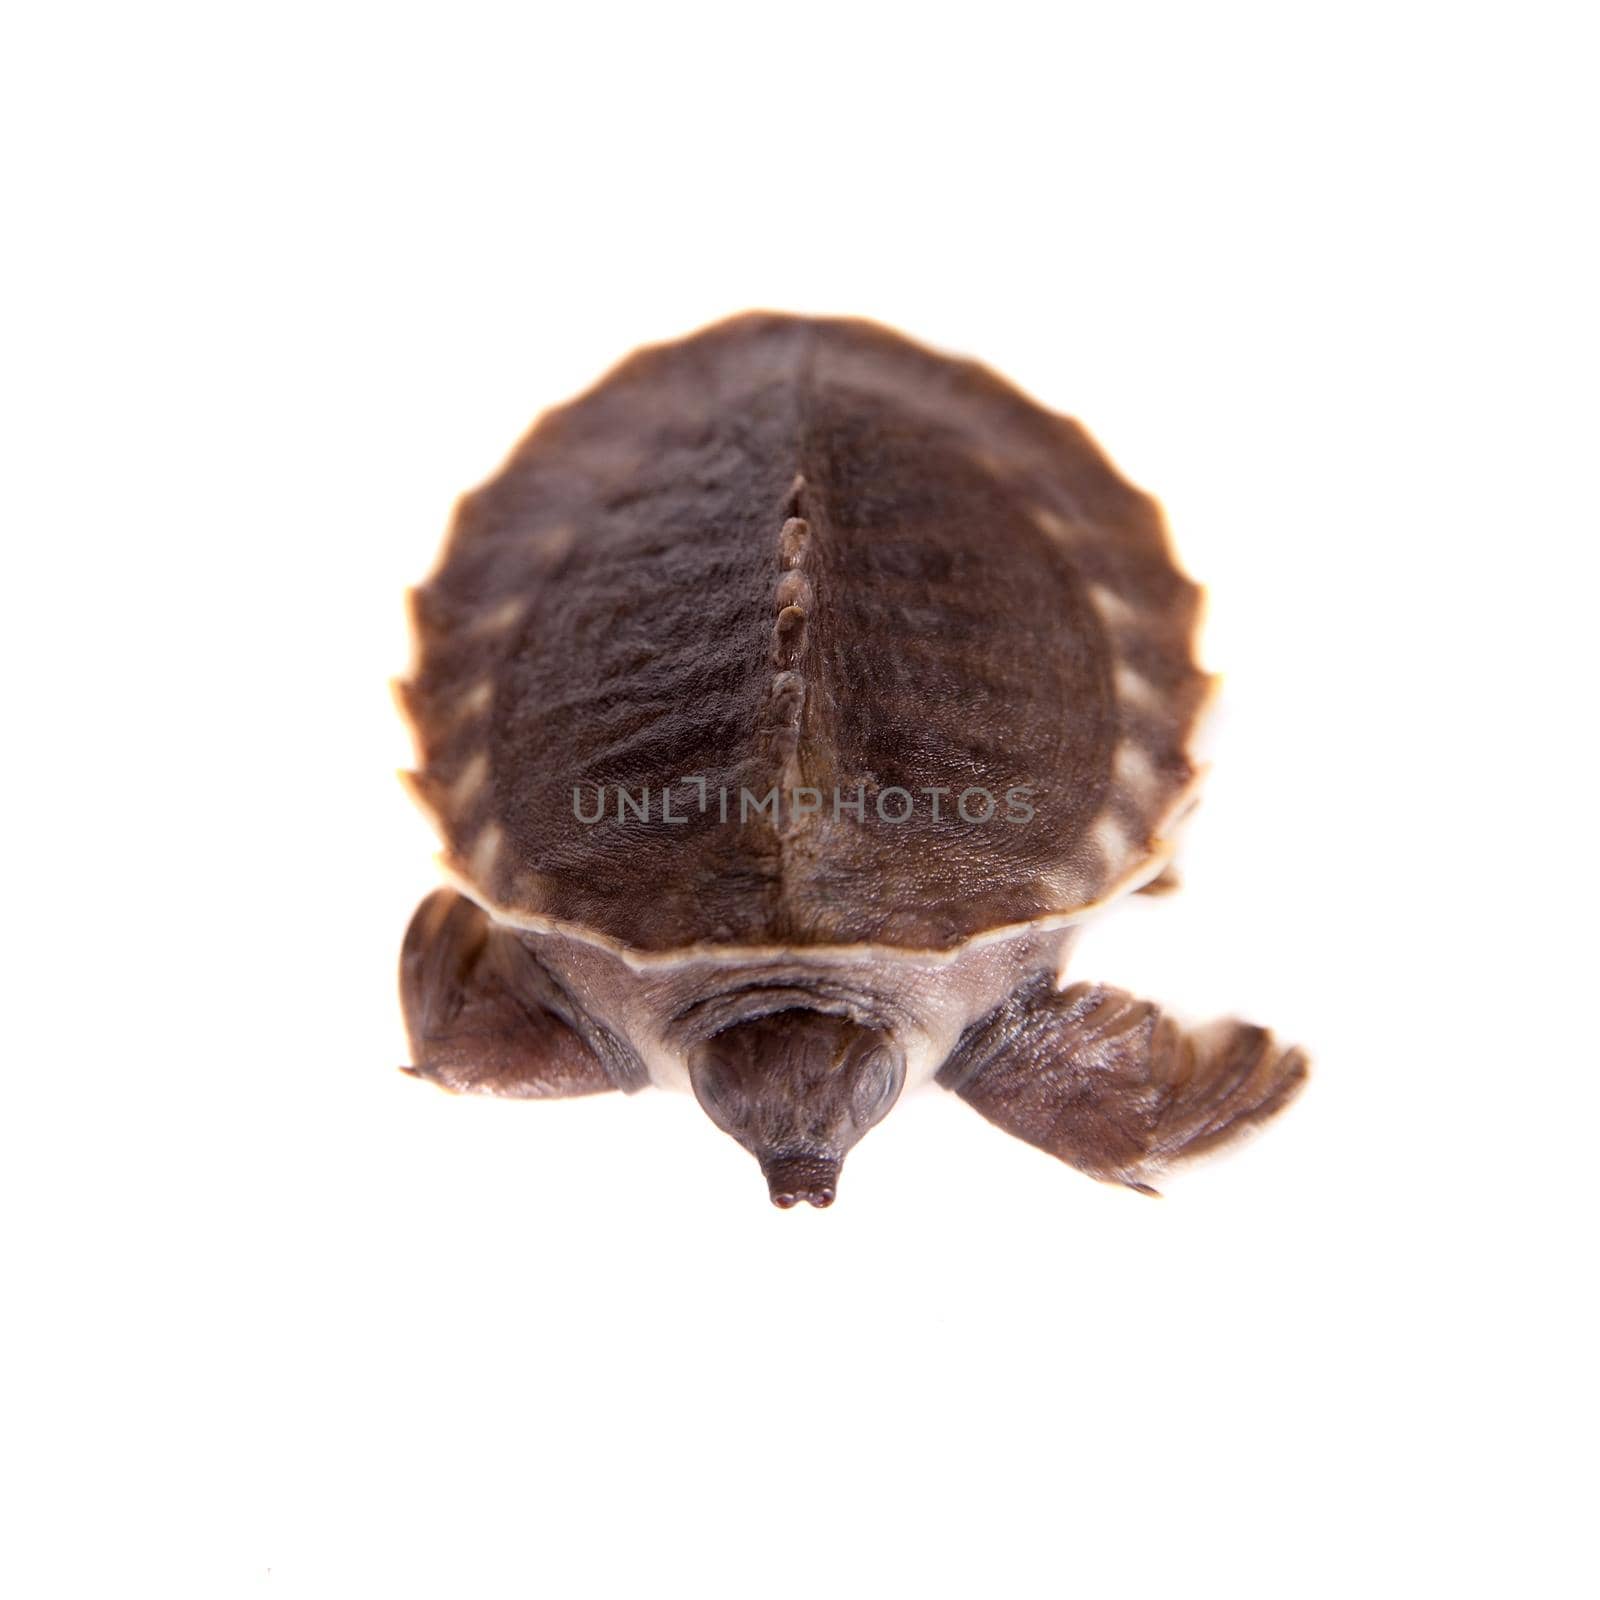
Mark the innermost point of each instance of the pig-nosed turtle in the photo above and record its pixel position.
(785, 703)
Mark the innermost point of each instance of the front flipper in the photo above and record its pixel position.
(1110, 1085)
(484, 1017)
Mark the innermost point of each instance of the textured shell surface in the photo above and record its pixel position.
(796, 634)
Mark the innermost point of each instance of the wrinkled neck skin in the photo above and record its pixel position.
(798, 1053)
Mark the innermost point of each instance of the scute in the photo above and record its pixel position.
(808, 555)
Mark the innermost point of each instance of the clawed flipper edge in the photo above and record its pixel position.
(482, 1015)
(1111, 1085)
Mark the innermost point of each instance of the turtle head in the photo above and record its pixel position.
(797, 1089)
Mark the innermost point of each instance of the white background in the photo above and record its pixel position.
(281, 282)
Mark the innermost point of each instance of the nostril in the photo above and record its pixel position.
(798, 1175)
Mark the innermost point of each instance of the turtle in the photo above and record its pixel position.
(785, 704)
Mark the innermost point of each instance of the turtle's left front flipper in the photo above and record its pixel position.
(1111, 1085)
(483, 1016)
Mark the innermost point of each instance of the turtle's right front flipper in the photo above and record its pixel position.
(1113, 1086)
(483, 1016)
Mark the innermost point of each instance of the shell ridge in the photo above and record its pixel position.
(783, 714)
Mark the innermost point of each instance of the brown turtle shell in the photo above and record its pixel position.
(808, 557)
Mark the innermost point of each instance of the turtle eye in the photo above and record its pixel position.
(719, 1093)
(875, 1088)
